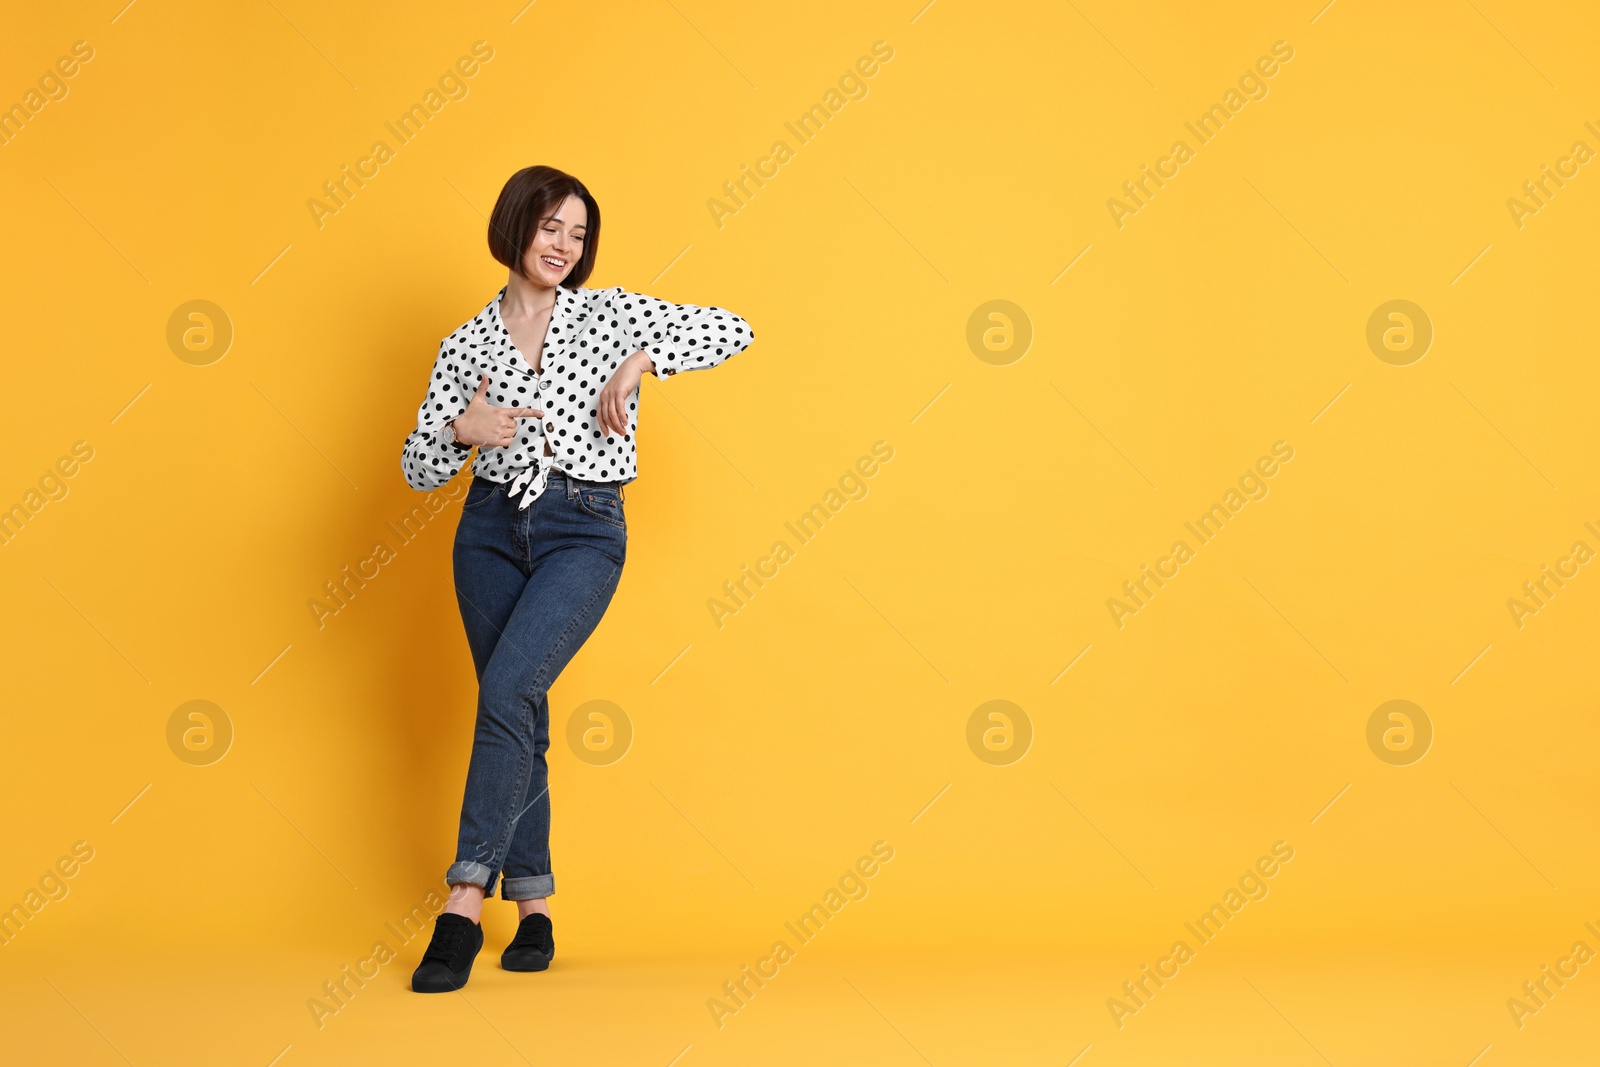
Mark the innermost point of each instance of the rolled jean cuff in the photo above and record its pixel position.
(532, 888)
(466, 872)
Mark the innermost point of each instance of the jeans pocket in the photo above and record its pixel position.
(604, 504)
(479, 491)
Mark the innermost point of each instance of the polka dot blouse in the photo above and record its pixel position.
(591, 332)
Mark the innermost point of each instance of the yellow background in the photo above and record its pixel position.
(773, 751)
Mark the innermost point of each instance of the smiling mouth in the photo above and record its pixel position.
(553, 264)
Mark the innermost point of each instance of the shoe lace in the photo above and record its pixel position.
(446, 944)
(533, 934)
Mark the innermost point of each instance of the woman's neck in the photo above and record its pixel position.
(526, 297)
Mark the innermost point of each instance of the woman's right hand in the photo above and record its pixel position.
(488, 426)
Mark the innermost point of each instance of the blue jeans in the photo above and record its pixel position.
(532, 586)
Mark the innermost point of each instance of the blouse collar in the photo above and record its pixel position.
(499, 339)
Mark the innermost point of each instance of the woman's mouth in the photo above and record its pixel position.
(553, 263)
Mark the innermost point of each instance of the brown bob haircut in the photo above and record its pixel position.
(531, 196)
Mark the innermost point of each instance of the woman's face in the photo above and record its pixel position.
(557, 244)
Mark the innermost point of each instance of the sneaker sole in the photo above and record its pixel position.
(446, 985)
(530, 962)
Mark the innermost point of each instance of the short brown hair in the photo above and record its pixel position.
(531, 196)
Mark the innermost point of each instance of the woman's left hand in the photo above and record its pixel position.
(613, 400)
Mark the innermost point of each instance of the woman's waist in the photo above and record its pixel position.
(525, 472)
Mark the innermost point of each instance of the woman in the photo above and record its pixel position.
(544, 381)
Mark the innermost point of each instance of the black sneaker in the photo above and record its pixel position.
(448, 961)
(534, 946)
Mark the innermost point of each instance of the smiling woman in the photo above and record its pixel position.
(545, 382)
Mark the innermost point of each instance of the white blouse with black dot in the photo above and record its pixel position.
(591, 332)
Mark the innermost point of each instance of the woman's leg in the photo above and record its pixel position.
(490, 572)
(576, 563)
(506, 818)
(578, 517)
(490, 563)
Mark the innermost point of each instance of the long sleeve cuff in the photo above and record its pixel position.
(664, 357)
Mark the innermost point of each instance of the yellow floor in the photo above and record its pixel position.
(1277, 1008)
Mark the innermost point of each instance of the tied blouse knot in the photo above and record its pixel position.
(591, 332)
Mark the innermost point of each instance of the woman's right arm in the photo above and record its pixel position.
(427, 461)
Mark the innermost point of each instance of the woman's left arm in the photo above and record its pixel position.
(679, 337)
